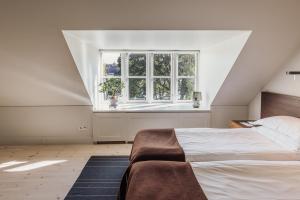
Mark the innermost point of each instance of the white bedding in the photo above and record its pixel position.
(209, 144)
(249, 180)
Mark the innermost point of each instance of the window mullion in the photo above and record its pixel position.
(191, 77)
(149, 77)
(161, 76)
(137, 77)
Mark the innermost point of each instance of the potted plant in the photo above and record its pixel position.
(112, 88)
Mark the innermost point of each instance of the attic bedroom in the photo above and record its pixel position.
(155, 100)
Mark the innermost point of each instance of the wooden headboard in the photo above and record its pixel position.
(273, 104)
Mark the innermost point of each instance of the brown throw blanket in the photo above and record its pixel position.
(163, 180)
(156, 144)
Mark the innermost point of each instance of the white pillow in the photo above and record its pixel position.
(279, 138)
(287, 125)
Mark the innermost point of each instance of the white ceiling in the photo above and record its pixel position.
(37, 68)
(154, 39)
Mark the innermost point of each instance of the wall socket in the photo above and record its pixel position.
(83, 128)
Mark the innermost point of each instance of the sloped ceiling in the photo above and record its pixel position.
(36, 67)
(218, 52)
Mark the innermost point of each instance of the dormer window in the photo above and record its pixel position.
(151, 76)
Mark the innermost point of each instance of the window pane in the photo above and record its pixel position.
(111, 64)
(137, 89)
(186, 64)
(161, 89)
(162, 65)
(185, 88)
(137, 65)
(112, 86)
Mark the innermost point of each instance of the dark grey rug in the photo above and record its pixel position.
(100, 179)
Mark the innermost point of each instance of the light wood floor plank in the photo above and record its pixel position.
(49, 182)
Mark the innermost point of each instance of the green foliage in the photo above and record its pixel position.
(162, 65)
(186, 65)
(161, 85)
(137, 88)
(185, 88)
(161, 88)
(112, 87)
(137, 65)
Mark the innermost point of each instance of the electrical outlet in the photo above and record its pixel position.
(83, 128)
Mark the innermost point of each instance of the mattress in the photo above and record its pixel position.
(248, 179)
(210, 144)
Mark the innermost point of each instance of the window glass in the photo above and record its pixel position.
(111, 64)
(185, 88)
(161, 89)
(186, 64)
(137, 65)
(162, 65)
(137, 88)
(172, 75)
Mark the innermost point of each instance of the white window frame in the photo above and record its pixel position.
(127, 77)
(102, 77)
(149, 75)
(177, 77)
(152, 77)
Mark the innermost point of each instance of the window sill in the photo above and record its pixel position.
(152, 108)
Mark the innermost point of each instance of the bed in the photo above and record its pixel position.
(209, 144)
(249, 179)
(204, 144)
(256, 163)
(216, 180)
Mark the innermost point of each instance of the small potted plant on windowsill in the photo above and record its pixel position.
(112, 88)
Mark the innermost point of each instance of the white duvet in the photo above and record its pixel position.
(249, 180)
(210, 144)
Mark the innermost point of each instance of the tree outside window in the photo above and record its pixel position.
(152, 76)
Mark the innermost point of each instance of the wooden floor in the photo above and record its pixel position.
(42, 172)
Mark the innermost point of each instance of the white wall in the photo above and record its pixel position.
(35, 120)
(45, 124)
(222, 115)
(87, 59)
(219, 50)
(280, 83)
(37, 69)
(215, 64)
(254, 108)
(124, 126)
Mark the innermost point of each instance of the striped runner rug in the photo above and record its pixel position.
(100, 179)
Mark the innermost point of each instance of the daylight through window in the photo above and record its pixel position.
(151, 76)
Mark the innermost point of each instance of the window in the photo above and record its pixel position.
(150, 76)
(161, 77)
(185, 76)
(111, 68)
(137, 76)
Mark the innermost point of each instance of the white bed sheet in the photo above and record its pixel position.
(210, 144)
(249, 180)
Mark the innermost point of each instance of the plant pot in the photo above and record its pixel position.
(113, 101)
